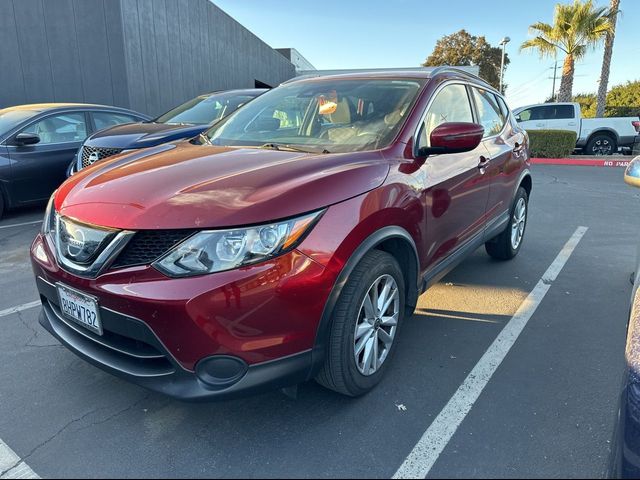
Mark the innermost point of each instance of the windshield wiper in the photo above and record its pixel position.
(204, 139)
(282, 146)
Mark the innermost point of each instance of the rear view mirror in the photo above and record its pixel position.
(453, 137)
(632, 173)
(26, 139)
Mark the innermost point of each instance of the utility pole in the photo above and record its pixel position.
(503, 43)
(553, 89)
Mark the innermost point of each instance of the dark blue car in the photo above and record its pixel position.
(38, 141)
(186, 121)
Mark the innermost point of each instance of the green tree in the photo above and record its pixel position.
(624, 100)
(587, 103)
(577, 27)
(463, 49)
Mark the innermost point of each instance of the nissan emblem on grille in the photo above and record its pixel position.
(80, 243)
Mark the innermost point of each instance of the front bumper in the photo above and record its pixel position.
(161, 373)
(159, 332)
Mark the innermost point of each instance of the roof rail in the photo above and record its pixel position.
(446, 68)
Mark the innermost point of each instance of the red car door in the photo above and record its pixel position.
(456, 188)
(504, 142)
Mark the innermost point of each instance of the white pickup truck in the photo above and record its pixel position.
(596, 136)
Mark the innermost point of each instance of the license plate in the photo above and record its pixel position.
(81, 308)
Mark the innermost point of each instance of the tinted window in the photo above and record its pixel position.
(562, 112)
(451, 104)
(61, 128)
(547, 112)
(12, 118)
(529, 114)
(490, 115)
(205, 109)
(105, 119)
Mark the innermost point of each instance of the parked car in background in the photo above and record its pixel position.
(185, 121)
(37, 142)
(289, 241)
(596, 136)
(625, 454)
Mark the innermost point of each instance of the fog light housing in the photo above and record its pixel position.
(221, 371)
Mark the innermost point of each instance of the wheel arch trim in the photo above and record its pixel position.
(370, 243)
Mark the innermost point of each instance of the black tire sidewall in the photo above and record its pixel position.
(355, 379)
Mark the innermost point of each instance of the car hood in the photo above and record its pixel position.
(182, 185)
(142, 135)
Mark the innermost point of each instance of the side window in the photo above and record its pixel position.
(524, 115)
(61, 128)
(563, 112)
(104, 120)
(490, 115)
(450, 105)
(503, 107)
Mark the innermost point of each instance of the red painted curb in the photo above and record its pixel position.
(580, 162)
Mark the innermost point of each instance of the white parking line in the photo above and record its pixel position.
(424, 455)
(20, 224)
(11, 466)
(19, 308)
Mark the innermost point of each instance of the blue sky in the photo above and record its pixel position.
(402, 33)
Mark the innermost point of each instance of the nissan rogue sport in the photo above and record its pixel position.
(288, 242)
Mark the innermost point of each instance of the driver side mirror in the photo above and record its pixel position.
(26, 139)
(453, 137)
(632, 173)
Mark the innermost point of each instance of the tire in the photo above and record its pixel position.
(602, 144)
(343, 371)
(503, 246)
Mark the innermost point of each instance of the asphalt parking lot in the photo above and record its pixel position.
(547, 411)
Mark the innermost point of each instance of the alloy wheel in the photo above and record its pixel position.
(518, 222)
(376, 325)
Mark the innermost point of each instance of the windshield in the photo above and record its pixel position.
(205, 109)
(11, 118)
(321, 115)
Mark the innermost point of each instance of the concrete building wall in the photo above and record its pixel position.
(61, 51)
(177, 49)
(148, 55)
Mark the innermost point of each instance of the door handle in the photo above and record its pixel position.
(572, 124)
(539, 124)
(484, 161)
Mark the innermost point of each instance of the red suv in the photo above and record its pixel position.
(288, 242)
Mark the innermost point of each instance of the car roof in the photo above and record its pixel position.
(239, 91)
(49, 107)
(421, 74)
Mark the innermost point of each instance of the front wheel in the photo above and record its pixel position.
(364, 326)
(507, 244)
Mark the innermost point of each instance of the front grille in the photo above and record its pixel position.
(149, 245)
(100, 152)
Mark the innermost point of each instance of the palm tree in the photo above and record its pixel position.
(576, 28)
(614, 8)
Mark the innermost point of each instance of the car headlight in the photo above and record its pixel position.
(49, 222)
(212, 251)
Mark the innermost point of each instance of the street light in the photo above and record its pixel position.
(503, 43)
